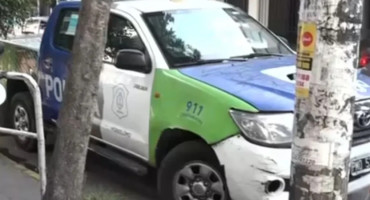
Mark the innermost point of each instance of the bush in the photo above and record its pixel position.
(13, 12)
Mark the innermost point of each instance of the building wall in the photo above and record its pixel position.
(253, 9)
(366, 24)
(243, 4)
(283, 19)
(258, 9)
(263, 11)
(281, 16)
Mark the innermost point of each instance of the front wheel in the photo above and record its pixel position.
(191, 172)
(23, 119)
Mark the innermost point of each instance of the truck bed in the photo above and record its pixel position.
(21, 54)
(28, 42)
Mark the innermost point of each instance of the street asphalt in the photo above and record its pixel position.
(17, 182)
(17, 177)
(102, 176)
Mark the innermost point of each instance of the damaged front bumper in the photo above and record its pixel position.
(255, 172)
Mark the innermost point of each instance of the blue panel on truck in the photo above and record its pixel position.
(266, 83)
(53, 62)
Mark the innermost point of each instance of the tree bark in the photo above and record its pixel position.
(66, 172)
(328, 47)
(44, 8)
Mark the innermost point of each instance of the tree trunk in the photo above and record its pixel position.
(66, 173)
(44, 8)
(328, 44)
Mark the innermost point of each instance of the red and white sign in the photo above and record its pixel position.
(307, 39)
(303, 78)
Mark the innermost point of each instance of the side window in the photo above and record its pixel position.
(121, 35)
(66, 29)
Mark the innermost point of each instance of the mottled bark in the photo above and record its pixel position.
(66, 173)
(324, 118)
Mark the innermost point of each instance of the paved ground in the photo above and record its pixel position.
(14, 179)
(102, 175)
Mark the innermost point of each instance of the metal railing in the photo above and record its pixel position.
(39, 135)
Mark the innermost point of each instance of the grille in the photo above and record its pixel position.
(361, 122)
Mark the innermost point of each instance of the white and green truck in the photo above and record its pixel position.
(198, 90)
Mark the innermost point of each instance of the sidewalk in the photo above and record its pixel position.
(17, 182)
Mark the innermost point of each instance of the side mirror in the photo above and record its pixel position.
(134, 60)
(2, 48)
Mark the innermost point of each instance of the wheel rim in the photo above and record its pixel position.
(198, 181)
(21, 120)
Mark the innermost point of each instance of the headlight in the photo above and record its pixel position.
(266, 129)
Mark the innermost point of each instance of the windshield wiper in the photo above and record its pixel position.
(241, 58)
(210, 61)
(256, 55)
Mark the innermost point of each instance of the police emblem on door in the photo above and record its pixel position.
(119, 104)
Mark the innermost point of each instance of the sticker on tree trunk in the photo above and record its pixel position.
(306, 51)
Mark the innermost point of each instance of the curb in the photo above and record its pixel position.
(22, 168)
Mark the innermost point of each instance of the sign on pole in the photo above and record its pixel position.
(327, 58)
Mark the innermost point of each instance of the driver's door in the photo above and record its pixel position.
(124, 95)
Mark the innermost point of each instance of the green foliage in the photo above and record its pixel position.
(9, 61)
(13, 12)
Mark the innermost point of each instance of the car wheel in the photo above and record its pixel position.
(23, 118)
(191, 171)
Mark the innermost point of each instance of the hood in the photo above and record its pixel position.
(265, 83)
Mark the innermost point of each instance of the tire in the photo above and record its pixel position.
(192, 157)
(23, 118)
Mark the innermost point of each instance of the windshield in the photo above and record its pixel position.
(188, 36)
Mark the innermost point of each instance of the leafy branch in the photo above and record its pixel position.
(13, 12)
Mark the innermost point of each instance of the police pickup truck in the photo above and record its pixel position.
(205, 95)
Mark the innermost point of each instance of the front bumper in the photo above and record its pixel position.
(250, 169)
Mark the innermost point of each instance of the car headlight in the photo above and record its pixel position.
(265, 129)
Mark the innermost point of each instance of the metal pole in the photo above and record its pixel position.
(36, 94)
(38, 8)
(329, 34)
(41, 137)
(17, 133)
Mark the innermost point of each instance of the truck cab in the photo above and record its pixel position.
(200, 91)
